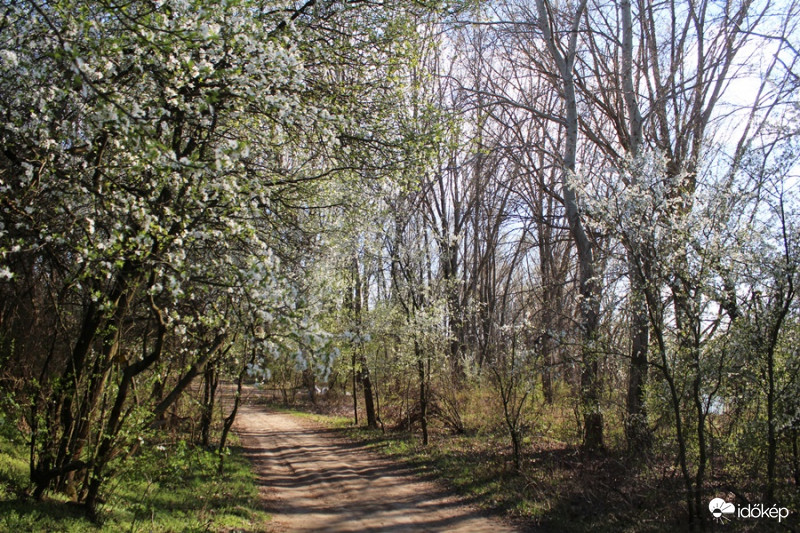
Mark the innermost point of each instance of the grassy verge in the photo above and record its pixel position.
(163, 488)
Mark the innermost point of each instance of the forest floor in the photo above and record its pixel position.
(312, 478)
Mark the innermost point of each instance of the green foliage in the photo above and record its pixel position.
(163, 488)
(314, 191)
(13, 467)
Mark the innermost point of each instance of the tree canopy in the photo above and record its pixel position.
(589, 207)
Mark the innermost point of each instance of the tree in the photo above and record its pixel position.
(154, 157)
(562, 53)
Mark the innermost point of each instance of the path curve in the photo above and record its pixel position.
(312, 479)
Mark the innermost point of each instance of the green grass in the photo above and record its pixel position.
(332, 421)
(161, 489)
(469, 464)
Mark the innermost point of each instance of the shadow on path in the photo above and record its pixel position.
(314, 480)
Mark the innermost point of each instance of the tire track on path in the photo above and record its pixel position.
(313, 479)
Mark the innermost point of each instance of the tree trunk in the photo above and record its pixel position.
(210, 381)
(639, 436)
(796, 456)
(366, 383)
(229, 420)
(588, 285)
(116, 418)
(637, 429)
(423, 397)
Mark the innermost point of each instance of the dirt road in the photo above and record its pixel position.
(312, 479)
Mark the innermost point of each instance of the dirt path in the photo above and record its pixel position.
(314, 480)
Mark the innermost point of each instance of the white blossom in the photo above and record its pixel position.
(9, 58)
